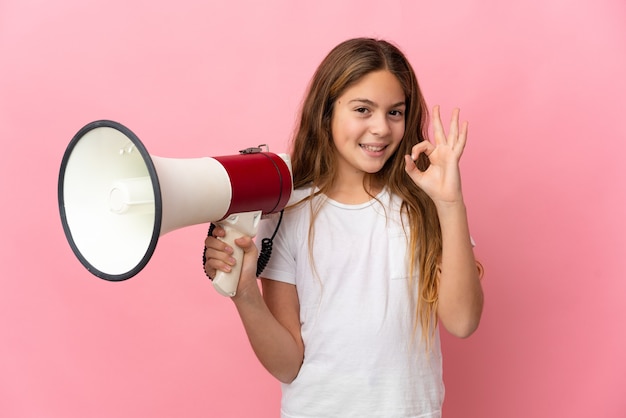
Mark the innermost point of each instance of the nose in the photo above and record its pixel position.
(380, 125)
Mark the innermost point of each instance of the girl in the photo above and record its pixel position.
(374, 255)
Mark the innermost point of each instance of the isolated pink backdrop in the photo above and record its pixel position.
(542, 83)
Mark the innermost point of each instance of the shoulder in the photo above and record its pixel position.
(300, 196)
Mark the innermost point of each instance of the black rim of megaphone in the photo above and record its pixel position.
(158, 208)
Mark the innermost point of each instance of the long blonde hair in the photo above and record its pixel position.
(314, 155)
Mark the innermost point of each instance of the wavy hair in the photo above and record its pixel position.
(314, 156)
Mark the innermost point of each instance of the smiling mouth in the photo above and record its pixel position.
(372, 148)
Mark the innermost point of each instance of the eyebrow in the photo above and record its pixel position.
(371, 103)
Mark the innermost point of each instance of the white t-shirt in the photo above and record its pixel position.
(362, 357)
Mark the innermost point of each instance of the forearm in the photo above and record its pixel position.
(276, 348)
(460, 291)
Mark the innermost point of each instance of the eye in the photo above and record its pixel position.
(396, 113)
(361, 110)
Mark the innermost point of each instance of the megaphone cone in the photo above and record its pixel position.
(116, 200)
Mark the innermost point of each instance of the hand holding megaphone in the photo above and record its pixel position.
(236, 226)
(219, 247)
(116, 200)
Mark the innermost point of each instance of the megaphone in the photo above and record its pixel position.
(116, 200)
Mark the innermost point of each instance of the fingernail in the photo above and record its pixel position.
(231, 260)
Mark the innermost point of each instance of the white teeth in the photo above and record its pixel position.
(372, 148)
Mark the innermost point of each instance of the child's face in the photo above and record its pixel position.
(368, 123)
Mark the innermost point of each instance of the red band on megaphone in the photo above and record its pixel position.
(259, 181)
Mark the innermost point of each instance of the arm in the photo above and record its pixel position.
(271, 319)
(460, 292)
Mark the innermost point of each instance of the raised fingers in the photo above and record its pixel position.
(462, 136)
(438, 132)
(457, 133)
(453, 132)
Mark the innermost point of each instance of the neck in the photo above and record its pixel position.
(353, 190)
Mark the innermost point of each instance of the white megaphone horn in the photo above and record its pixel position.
(116, 200)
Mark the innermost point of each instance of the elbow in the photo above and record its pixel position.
(286, 376)
(285, 379)
(463, 329)
(285, 372)
(463, 325)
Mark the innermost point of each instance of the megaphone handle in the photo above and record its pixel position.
(226, 283)
(236, 226)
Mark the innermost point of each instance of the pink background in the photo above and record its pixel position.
(541, 82)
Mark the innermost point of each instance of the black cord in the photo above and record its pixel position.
(266, 249)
